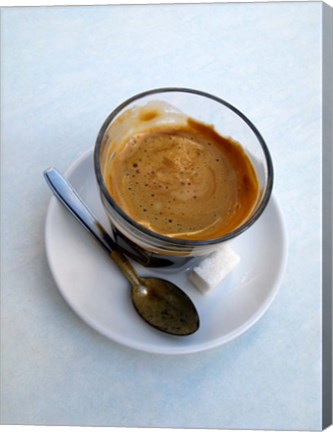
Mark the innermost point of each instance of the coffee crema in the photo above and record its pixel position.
(184, 181)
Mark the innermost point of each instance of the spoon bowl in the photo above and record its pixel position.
(159, 302)
(165, 307)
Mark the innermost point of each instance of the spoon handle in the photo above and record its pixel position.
(67, 195)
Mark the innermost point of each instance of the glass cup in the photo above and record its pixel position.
(150, 248)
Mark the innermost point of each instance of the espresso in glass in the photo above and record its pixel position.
(173, 186)
(184, 182)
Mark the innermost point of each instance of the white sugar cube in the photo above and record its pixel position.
(213, 269)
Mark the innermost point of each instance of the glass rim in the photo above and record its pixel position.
(177, 241)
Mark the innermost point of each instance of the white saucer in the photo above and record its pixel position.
(96, 290)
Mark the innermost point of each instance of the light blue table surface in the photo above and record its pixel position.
(63, 70)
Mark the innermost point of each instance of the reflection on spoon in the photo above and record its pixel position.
(159, 302)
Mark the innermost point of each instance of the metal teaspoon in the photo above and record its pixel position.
(159, 302)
